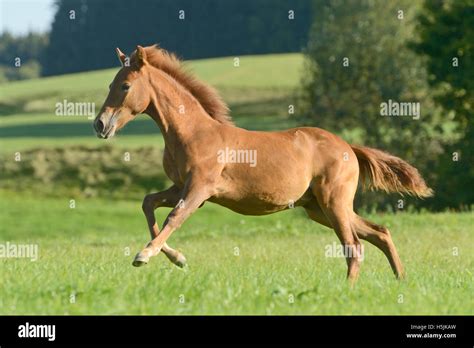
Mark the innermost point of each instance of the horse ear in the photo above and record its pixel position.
(121, 56)
(141, 56)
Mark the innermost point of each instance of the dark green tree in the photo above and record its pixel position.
(446, 30)
(29, 48)
(357, 59)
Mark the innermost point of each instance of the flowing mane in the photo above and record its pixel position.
(207, 96)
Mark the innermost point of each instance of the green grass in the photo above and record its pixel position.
(258, 92)
(87, 251)
(83, 251)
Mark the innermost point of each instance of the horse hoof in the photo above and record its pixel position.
(180, 261)
(140, 260)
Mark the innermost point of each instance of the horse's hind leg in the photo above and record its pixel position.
(381, 238)
(335, 202)
(168, 198)
(375, 234)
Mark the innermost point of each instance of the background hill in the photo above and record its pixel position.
(258, 93)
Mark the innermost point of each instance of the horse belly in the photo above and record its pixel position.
(252, 199)
(278, 180)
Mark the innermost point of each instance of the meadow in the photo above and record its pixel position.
(236, 264)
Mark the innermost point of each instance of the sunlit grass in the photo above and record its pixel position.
(237, 265)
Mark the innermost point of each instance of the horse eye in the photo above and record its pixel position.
(125, 87)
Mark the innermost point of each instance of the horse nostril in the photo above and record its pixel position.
(100, 126)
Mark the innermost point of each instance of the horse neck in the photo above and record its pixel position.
(178, 113)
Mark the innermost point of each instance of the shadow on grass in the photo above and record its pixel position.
(73, 129)
(264, 114)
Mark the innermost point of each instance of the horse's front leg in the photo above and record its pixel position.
(168, 198)
(193, 195)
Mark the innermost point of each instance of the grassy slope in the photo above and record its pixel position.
(258, 91)
(83, 252)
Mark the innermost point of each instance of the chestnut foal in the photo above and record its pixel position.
(307, 167)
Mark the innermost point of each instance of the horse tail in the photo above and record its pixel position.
(382, 171)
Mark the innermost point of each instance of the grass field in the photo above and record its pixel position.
(237, 265)
(279, 267)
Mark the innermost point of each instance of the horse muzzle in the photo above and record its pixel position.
(104, 130)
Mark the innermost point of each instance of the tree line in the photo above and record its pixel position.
(85, 33)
